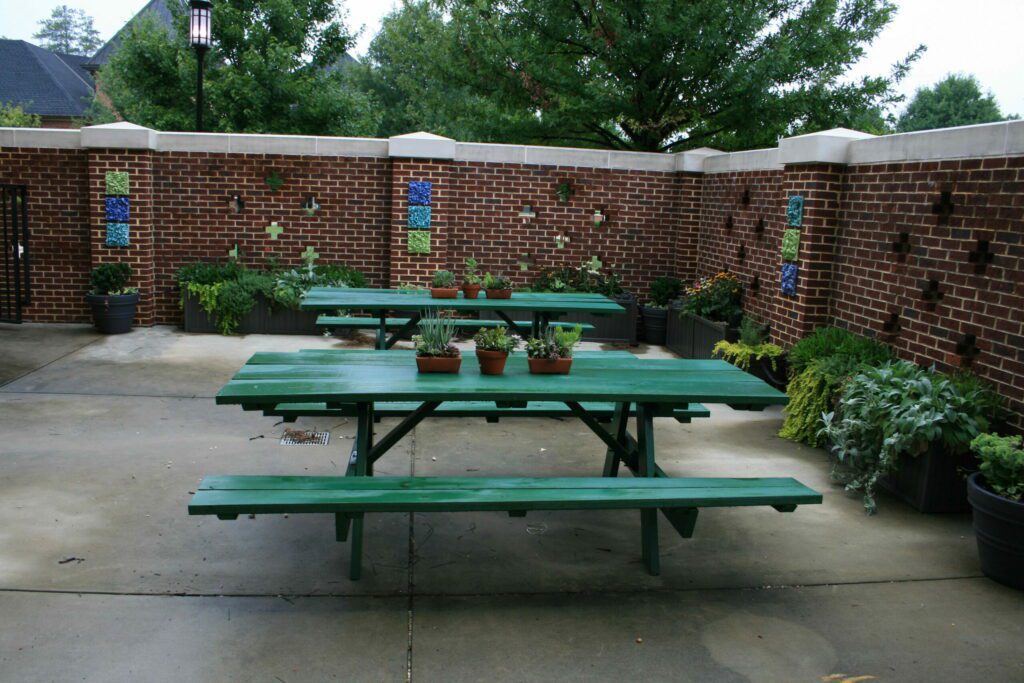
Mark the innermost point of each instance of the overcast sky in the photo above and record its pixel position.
(981, 37)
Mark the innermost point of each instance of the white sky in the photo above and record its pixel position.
(981, 37)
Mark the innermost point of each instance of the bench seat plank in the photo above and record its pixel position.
(230, 495)
(347, 322)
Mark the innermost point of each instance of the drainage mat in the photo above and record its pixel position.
(301, 437)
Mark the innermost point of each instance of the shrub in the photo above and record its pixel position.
(896, 409)
(496, 339)
(584, 279)
(1002, 464)
(844, 347)
(111, 279)
(664, 290)
(716, 297)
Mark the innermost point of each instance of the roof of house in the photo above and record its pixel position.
(44, 82)
(160, 12)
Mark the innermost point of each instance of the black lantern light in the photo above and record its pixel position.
(200, 35)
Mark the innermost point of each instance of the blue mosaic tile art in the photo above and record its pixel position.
(789, 275)
(117, 235)
(117, 209)
(419, 193)
(795, 211)
(419, 217)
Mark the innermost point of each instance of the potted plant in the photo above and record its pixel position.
(895, 416)
(497, 287)
(552, 353)
(113, 302)
(655, 312)
(709, 313)
(492, 349)
(996, 493)
(443, 285)
(471, 279)
(434, 349)
(754, 354)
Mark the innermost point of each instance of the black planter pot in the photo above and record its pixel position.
(932, 481)
(262, 319)
(999, 528)
(692, 336)
(762, 369)
(113, 314)
(655, 320)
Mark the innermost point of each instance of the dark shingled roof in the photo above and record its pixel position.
(160, 12)
(43, 82)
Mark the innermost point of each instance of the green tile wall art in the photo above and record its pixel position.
(419, 218)
(790, 271)
(419, 193)
(117, 235)
(117, 183)
(419, 241)
(790, 245)
(795, 211)
(116, 208)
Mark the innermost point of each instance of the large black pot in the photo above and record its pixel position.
(655, 319)
(999, 528)
(762, 369)
(932, 481)
(113, 314)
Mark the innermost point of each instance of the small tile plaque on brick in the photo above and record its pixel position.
(117, 183)
(419, 242)
(117, 235)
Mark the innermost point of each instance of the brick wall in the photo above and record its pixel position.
(58, 182)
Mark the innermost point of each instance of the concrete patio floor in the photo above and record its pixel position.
(104, 576)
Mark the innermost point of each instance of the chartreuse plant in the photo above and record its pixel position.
(818, 365)
(891, 411)
(752, 345)
(435, 337)
(496, 339)
(1002, 464)
(556, 343)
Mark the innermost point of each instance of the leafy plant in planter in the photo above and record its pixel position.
(716, 297)
(664, 290)
(818, 365)
(996, 493)
(471, 280)
(113, 302)
(891, 411)
(497, 287)
(434, 349)
(752, 346)
(443, 285)
(552, 353)
(584, 278)
(492, 349)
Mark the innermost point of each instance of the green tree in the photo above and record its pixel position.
(14, 116)
(957, 100)
(275, 67)
(667, 74)
(69, 31)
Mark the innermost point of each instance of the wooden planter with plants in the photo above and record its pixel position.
(435, 352)
(551, 354)
(907, 429)
(709, 313)
(664, 290)
(996, 493)
(753, 353)
(493, 347)
(112, 301)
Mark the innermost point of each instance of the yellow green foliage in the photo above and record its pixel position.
(809, 397)
(740, 354)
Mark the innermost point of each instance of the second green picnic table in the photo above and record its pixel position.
(542, 307)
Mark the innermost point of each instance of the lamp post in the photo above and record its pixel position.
(199, 34)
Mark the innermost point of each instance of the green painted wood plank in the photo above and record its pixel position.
(369, 323)
(349, 299)
(347, 356)
(469, 409)
(299, 482)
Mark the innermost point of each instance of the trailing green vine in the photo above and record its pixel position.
(809, 397)
(741, 354)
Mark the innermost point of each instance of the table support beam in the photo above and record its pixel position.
(405, 329)
(401, 429)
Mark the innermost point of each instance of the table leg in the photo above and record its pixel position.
(404, 330)
(364, 442)
(648, 518)
(382, 332)
(512, 327)
(620, 422)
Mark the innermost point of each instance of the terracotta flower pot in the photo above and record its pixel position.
(491, 362)
(470, 291)
(499, 293)
(446, 364)
(444, 292)
(550, 366)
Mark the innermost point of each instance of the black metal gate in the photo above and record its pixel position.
(14, 283)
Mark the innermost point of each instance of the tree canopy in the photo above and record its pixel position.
(957, 100)
(69, 31)
(653, 75)
(275, 67)
(13, 116)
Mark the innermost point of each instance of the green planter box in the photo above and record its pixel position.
(262, 319)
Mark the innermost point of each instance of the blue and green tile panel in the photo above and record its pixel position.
(790, 271)
(419, 218)
(117, 209)
(117, 183)
(419, 193)
(790, 245)
(419, 241)
(117, 235)
(795, 211)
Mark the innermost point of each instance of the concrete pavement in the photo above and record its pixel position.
(103, 575)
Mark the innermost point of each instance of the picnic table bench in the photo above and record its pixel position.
(339, 322)
(360, 381)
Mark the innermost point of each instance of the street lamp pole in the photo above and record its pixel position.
(200, 36)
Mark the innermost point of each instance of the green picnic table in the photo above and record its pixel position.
(360, 381)
(542, 306)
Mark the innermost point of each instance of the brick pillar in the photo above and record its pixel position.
(820, 185)
(139, 254)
